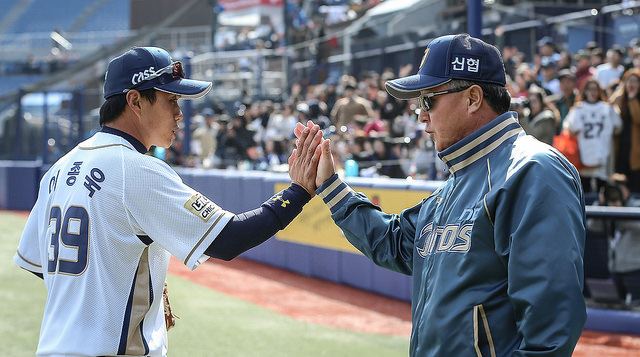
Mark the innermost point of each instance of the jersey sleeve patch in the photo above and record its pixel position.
(201, 206)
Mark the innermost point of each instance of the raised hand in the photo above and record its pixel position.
(303, 162)
(326, 167)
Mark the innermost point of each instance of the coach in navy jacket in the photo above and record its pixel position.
(496, 252)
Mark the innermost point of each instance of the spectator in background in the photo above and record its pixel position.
(548, 76)
(567, 96)
(239, 144)
(635, 60)
(376, 127)
(274, 155)
(509, 58)
(317, 113)
(330, 96)
(547, 49)
(584, 70)
(524, 79)
(609, 72)
(596, 57)
(565, 60)
(425, 161)
(361, 151)
(406, 124)
(594, 122)
(591, 45)
(541, 121)
(386, 105)
(388, 161)
(627, 103)
(221, 140)
(633, 52)
(281, 123)
(206, 136)
(349, 106)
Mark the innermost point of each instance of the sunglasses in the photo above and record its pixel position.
(426, 100)
(164, 75)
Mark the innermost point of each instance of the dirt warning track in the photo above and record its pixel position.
(321, 302)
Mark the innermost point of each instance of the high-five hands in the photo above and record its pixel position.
(303, 162)
(325, 166)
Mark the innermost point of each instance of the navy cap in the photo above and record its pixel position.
(451, 57)
(132, 69)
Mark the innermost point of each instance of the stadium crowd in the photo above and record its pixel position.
(593, 95)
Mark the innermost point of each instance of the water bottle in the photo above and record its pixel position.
(351, 168)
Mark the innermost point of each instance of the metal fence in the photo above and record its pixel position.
(258, 74)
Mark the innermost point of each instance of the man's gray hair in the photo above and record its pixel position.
(496, 96)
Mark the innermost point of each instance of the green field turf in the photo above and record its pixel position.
(210, 324)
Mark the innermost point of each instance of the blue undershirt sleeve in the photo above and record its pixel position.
(249, 229)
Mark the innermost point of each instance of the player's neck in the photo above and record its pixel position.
(128, 126)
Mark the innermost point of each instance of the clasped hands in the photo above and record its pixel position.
(311, 162)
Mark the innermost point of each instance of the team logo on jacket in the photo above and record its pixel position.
(454, 238)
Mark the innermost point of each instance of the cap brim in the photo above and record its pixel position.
(186, 88)
(410, 86)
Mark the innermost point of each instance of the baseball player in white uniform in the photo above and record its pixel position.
(108, 218)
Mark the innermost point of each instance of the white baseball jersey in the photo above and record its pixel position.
(105, 224)
(595, 123)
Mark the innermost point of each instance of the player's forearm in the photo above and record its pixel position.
(250, 229)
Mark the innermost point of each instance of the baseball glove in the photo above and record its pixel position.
(169, 317)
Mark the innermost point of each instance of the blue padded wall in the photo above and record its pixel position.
(19, 182)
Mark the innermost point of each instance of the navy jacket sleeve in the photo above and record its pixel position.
(387, 239)
(540, 229)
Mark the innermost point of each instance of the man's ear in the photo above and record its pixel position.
(474, 99)
(133, 101)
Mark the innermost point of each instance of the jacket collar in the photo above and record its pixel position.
(481, 142)
(133, 141)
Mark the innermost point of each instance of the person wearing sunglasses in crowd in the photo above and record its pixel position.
(108, 217)
(496, 251)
